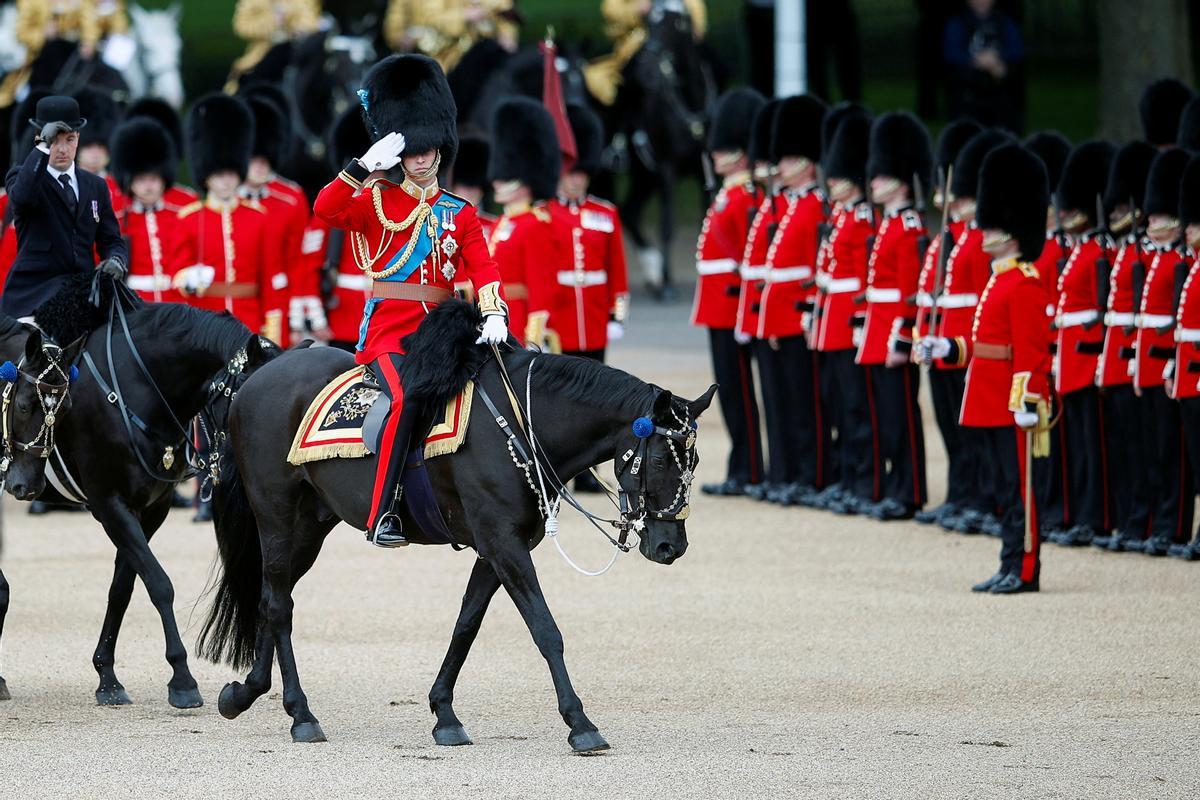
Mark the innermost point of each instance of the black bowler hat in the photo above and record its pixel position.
(58, 108)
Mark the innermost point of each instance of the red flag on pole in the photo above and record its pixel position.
(552, 99)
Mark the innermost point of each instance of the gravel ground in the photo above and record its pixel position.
(788, 654)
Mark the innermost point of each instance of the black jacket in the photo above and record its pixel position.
(53, 243)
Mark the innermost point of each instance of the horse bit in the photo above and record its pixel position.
(53, 398)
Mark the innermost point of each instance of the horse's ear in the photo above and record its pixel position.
(662, 404)
(73, 350)
(700, 404)
(33, 346)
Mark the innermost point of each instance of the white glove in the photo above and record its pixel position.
(1025, 419)
(1169, 370)
(385, 153)
(195, 278)
(856, 336)
(495, 330)
(742, 338)
(932, 347)
(616, 330)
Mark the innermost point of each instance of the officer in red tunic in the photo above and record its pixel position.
(1127, 479)
(143, 165)
(771, 204)
(1009, 353)
(221, 261)
(1183, 372)
(900, 156)
(177, 195)
(719, 252)
(412, 239)
(1171, 487)
(1080, 338)
(797, 432)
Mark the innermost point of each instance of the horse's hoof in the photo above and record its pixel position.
(451, 736)
(308, 733)
(587, 742)
(4, 695)
(184, 698)
(227, 703)
(114, 696)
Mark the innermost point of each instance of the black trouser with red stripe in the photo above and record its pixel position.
(1128, 470)
(797, 438)
(1049, 477)
(1020, 554)
(739, 407)
(899, 432)
(1086, 478)
(394, 444)
(1173, 501)
(844, 398)
(946, 390)
(1189, 414)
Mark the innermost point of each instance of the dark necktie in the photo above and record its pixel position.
(65, 180)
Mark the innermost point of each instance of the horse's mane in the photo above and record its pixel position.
(585, 380)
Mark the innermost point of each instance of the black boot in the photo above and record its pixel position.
(388, 532)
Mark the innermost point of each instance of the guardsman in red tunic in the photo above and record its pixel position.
(103, 116)
(591, 294)
(763, 224)
(221, 261)
(841, 276)
(1128, 471)
(900, 156)
(1009, 354)
(412, 239)
(1183, 374)
(719, 252)
(1079, 335)
(798, 434)
(159, 110)
(143, 164)
(470, 181)
(1171, 489)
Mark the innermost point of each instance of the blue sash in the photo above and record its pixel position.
(445, 210)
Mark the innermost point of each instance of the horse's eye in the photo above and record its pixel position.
(24, 405)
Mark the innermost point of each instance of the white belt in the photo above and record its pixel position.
(716, 266)
(963, 300)
(757, 273)
(842, 285)
(1187, 334)
(1154, 320)
(1115, 319)
(822, 279)
(924, 300)
(784, 274)
(148, 283)
(583, 277)
(882, 295)
(1073, 319)
(359, 283)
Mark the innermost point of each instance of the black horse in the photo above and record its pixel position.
(272, 518)
(121, 448)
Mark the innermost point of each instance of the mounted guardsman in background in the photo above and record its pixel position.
(625, 27)
(269, 27)
(446, 29)
(411, 239)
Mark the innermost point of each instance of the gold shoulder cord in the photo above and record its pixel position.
(421, 217)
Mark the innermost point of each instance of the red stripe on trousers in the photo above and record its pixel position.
(1030, 559)
(388, 444)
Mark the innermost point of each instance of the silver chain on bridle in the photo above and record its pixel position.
(52, 398)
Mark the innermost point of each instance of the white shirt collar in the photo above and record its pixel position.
(54, 173)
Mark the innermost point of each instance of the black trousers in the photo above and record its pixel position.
(844, 398)
(1171, 483)
(1086, 450)
(1189, 414)
(946, 390)
(732, 367)
(899, 431)
(1020, 552)
(797, 439)
(1128, 471)
(1049, 478)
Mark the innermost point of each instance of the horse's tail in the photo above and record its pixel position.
(230, 631)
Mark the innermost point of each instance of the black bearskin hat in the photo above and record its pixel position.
(220, 135)
(1084, 178)
(525, 147)
(760, 132)
(1162, 183)
(796, 130)
(408, 93)
(1014, 196)
(965, 181)
(729, 129)
(163, 113)
(1052, 148)
(900, 149)
(20, 131)
(1188, 135)
(1189, 193)
(952, 139)
(834, 117)
(1160, 107)
(589, 138)
(272, 130)
(1127, 175)
(102, 113)
(846, 153)
(139, 146)
(471, 166)
(349, 138)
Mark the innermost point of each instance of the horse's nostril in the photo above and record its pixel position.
(665, 551)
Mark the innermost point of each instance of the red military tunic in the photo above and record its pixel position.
(1187, 336)
(119, 199)
(593, 287)
(719, 251)
(457, 236)
(892, 273)
(287, 218)
(1115, 366)
(1154, 347)
(525, 248)
(968, 270)
(927, 282)
(841, 275)
(753, 267)
(1054, 253)
(227, 246)
(151, 234)
(1080, 337)
(791, 262)
(351, 287)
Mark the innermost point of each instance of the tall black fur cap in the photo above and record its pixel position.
(729, 129)
(471, 166)
(834, 117)
(409, 93)
(220, 135)
(1084, 177)
(589, 137)
(349, 138)
(161, 112)
(1162, 182)
(900, 148)
(102, 113)
(272, 130)
(760, 131)
(525, 146)
(139, 146)
(796, 129)
(1189, 193)
(952, 139)
(1127, 175)
(1014, 196)
(1160, 107)
(1052, 148)
(846, 154)
(965, 180)
(1188, 135)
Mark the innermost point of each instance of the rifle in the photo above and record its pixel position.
(919, 205)
(946, 243)
(1103, 266)
(1138, 267)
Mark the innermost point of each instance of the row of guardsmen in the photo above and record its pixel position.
(1061, 349)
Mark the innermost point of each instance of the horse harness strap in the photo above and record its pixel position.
(110, 395)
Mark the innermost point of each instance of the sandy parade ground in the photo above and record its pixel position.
(788, 654)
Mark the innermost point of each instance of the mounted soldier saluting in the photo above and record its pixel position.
(62, 214)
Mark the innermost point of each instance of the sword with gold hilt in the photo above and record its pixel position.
(945, 245)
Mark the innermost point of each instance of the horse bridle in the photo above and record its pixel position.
(681, 443)
(54, 398)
